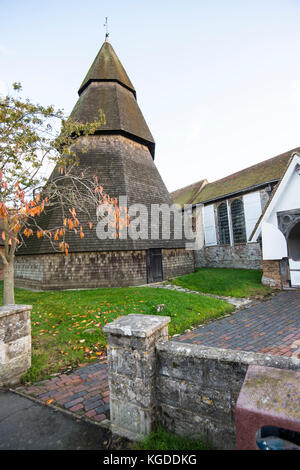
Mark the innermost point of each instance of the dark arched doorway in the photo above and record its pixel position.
(293, 245)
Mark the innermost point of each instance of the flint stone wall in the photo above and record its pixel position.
(191, 389)
(239, 256)
(15, 343)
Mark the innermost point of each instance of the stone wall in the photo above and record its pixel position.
(272, 274)
(197, 388)
(132, 372)
(242, 256)
(96, 269)
(191, 389)
(15, 343)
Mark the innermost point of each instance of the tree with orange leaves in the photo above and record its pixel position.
(30, 143)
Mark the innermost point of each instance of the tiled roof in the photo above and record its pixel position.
(256, 175)
(187, 194)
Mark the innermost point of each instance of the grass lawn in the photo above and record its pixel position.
(228, 282)
(163, 440)
(67, 325)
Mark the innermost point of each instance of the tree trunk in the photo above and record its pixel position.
(8, 278)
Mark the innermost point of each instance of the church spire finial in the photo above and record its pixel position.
(106, 29)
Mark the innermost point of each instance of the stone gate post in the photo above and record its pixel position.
(15, 343)
(132, 363)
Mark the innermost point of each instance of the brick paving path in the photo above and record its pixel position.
(83, 392)
(270, 327)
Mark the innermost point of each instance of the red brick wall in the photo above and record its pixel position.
(272, 274)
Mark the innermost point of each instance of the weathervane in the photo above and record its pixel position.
(106, 27)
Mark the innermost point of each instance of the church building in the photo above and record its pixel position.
(251, 219)
(121, 154)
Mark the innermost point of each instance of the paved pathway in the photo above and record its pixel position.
(83, 391)
(237, 302)
(271, 326)
(26, 425)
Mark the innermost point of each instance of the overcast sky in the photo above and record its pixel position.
(218, 81)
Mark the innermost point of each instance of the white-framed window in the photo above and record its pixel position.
(238, 221)
(209, 225)
(223, 224)
(231, 221)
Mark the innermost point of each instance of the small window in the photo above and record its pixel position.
(224, 236)
(238, 221)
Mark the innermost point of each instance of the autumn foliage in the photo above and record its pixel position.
(31, 144)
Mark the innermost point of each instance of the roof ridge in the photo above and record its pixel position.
(259, 174)
(284, 154)
(188, 186)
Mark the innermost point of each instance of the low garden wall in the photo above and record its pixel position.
(191, 389)
(15, 343)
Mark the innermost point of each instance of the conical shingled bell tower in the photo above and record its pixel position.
(108, 87)
(121, 155)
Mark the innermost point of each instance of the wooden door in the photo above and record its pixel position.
(154, 265)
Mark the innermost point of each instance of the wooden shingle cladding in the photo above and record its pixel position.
(108, 87)
(120, 154)
(122, 113)
(107, 67)
(56, 271)
(124, 168)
